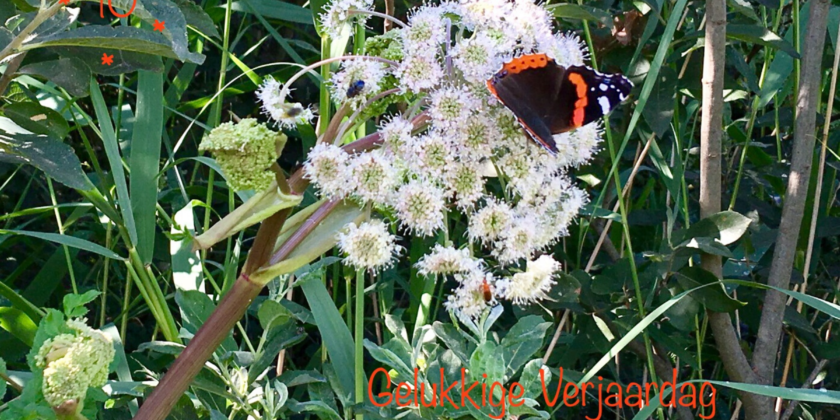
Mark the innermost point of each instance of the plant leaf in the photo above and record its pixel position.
(19, 325)
(37, 119)
(755, 34)
(71, 241)
(714, 297)
(523, 340)
(48, 154)
(276, 10)
(333, 331)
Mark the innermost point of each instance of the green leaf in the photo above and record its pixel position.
(453, 340)
(333, 331)
(74, 305)
(144, 160)
(660, 109)
(48, 154)
(754, 34)
(725, 227)
(71, 241)
(523, 340)
(196, 307)
(389, 358)
(276, 10)
(488, 359)
(777, 75)
(197, 18)
(71, 73)
(37, 119)
(574, 11)
(278, 337)
(120, 365)
(18, 324)
(127, 43)
(112, 150)
(530, 378)
(714, 297)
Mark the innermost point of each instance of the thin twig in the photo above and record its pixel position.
(808, 381)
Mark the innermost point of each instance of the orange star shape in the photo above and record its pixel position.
(159, 25)
(107, 59)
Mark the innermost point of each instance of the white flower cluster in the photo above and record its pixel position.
(465, 139)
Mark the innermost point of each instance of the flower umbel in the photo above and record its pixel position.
(367, 246)
(245, 151)
(74, 362)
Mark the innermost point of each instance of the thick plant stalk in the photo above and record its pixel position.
(770, 328)
(711, 132)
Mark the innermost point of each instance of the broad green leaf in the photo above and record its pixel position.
(120, 41)
(453, 340)
(71, 241)
(726, 227)
(660, 109)
(523, 340)
(18, 324)
(755, 34)
(489, 359)
(574, 11)
(276, 10)
(71, 73)
(714, 297)
(144, 160)
(37, 119)
(334, 332)
(301, 377)
(389, 359)
(175, 25)
(777, 75)
(318, 407)
(56, 159)
(530, 378)
(74, 305)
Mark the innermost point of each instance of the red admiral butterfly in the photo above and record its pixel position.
(549, 99)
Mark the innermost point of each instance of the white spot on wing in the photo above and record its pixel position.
(603, 87)
(605, 104)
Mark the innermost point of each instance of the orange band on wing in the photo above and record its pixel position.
(582, 101)
(525, 62)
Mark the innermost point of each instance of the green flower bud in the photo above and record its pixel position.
(74, 362)
(388, 45)
(245, 152)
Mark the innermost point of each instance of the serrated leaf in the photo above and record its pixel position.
(52, 156)
(71, 73)
(755, 34)
(713, 297)
(38, 119)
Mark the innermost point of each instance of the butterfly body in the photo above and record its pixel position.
(549, 99)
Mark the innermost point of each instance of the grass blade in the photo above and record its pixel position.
(109, 140)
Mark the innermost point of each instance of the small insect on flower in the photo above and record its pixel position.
(355, 88)
(485, 288)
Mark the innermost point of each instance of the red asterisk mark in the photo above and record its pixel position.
(64, 2)
(159, 25)
(107, 59)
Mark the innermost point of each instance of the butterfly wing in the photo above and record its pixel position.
(585, 96)
(529, 86)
